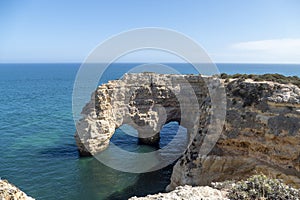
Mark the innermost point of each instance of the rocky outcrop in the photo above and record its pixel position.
(187, 192)
(146, 102)
(255, 187)
(261, 131)
(261, 134)
(11, 192)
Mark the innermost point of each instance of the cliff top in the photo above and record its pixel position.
(279, 78)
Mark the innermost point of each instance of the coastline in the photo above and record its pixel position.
(261, 133)
(58, 151)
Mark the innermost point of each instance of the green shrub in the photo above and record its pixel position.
(223, 76)
(260, 187)
(266, 77)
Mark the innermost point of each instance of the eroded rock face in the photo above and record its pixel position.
(146, 102)
(261, 132)
(11, 192)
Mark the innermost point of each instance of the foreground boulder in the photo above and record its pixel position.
(11, 192)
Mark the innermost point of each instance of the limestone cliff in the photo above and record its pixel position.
(11, 192)
(146, 102)
(261, 131)
(261, 134)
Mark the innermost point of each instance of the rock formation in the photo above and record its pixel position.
(11, 192)
(261, 134)
(146, 102)
(187, 192)
(261, 131)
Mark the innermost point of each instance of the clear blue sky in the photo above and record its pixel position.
(229, 30)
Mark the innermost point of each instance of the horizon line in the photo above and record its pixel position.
(73, 62)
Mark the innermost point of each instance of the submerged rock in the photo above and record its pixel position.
(11, 192)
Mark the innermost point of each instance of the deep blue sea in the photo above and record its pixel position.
(38, 151)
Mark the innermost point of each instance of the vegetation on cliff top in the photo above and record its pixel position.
(259, 187)
(265, 77)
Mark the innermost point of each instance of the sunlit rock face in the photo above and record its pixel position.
(9, 191)
(145, 101)
(261, 132)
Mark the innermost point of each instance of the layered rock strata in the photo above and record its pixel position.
(146, 102)
(261, 132)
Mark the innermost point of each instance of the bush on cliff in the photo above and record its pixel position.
(261, 187)
(265, 77)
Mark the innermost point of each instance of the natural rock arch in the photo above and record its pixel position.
(144, 102)
(126, 138)
(261, 131)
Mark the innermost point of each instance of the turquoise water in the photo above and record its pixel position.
(39, 154)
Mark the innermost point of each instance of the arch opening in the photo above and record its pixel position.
(168, 132)
(126, 138)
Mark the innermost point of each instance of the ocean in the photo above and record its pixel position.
(39, 153)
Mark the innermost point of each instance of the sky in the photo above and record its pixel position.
(257, 31)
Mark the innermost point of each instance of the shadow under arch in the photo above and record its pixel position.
(154, 181)
(126, 137)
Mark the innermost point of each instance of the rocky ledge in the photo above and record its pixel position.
(255, 187)
(261, 132)
(187, 192)
(11, 192)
